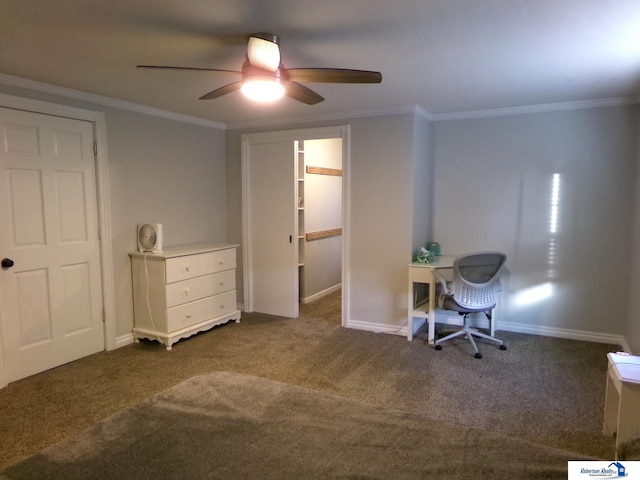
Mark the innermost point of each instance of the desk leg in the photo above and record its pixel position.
(431, 316)
(410, 310)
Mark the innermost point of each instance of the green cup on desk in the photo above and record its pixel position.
(434, 248)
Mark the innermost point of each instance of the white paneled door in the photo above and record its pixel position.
(50, 290)
(272, 229)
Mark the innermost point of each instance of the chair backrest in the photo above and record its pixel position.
(475, 279)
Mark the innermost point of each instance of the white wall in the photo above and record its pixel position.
(322, 270)
(381, 220)
(422, 183)
(632, 325)
(493, 191)
(165, 172)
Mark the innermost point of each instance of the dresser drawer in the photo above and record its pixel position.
(200, 287)
(190, 266)
(191, 313)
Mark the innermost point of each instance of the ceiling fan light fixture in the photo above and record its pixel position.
(263, 51)
(263, 89)
(265, 79)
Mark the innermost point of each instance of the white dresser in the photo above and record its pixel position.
(183, 290)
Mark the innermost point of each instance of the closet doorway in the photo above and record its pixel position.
(295, 210)
(319, 217)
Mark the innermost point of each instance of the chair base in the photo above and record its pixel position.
(470, 333)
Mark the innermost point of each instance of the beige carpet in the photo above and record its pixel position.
(227, 425)
(546, 390)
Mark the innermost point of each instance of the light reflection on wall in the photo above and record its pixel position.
(533, 295)
(544, 291)
(554, 215)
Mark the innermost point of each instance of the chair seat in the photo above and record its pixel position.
(448, 303)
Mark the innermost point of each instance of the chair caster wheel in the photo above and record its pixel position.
(478, 355)
(438, 347)
(503, 347)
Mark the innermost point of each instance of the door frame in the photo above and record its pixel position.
(341, 131)
(102, 200)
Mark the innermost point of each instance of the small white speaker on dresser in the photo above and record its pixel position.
(150, 237)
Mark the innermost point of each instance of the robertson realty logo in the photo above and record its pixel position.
(599, 470)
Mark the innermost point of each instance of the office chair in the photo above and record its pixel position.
(473, 289)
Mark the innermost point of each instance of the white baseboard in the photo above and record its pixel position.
(597, 337)
(377, 327)
(124, 340)
(321, 294)
(418, 323)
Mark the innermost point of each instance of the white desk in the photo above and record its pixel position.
(423, 273)
(622, 401)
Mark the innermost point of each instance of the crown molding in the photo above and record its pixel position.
(418, 110)
(546, 107)
(42, 87)
(19, 82)
(337, 116)
(424, 113)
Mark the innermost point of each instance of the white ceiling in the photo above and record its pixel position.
(445, 56)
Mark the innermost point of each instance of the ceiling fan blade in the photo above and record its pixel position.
(301, 93)
(161, 67)
(232, 87)
(333, 75)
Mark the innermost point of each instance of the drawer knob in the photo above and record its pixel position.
(221, 306)
(188, 315)
(221, 284)
(221, 262)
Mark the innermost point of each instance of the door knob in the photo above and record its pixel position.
(7, 263)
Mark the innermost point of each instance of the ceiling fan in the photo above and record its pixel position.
(264, 77)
